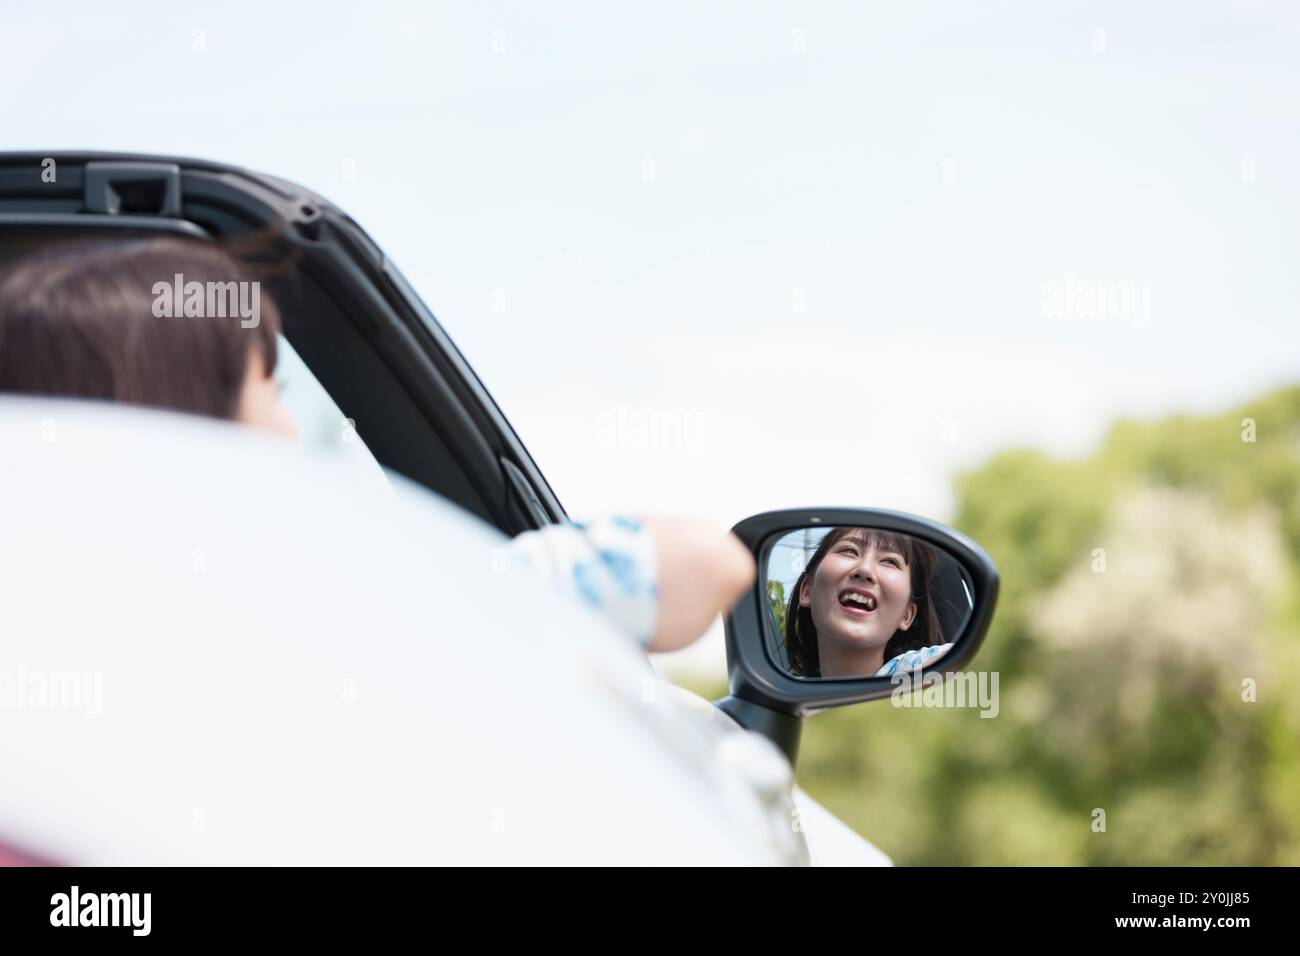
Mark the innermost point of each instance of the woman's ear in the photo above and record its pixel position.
(805, 591)
(908, 617)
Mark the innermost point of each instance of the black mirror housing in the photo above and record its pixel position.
(767, 697)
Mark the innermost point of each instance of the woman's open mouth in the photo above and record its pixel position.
(857, 602)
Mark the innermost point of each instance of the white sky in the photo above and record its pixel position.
(913, 180)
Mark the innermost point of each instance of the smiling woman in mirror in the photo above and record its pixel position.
(864, 606)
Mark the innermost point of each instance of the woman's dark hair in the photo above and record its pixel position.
(921, 558)
(80, 320)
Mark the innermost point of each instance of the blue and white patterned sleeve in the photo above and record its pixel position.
(911, 660)
(611, 564)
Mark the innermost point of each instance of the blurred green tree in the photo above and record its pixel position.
(776, 599)
(1148, 645)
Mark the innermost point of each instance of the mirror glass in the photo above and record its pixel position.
(861, 602)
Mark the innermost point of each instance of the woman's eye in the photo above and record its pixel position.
(891, 561)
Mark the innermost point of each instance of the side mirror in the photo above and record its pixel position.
(848, 603)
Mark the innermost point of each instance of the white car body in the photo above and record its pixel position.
(220, 649)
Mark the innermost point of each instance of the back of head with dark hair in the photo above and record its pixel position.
(78, 320)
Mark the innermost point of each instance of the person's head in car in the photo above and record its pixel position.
(103, 321)
(863, 599)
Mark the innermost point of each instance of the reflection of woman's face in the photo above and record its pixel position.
(860, 595)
